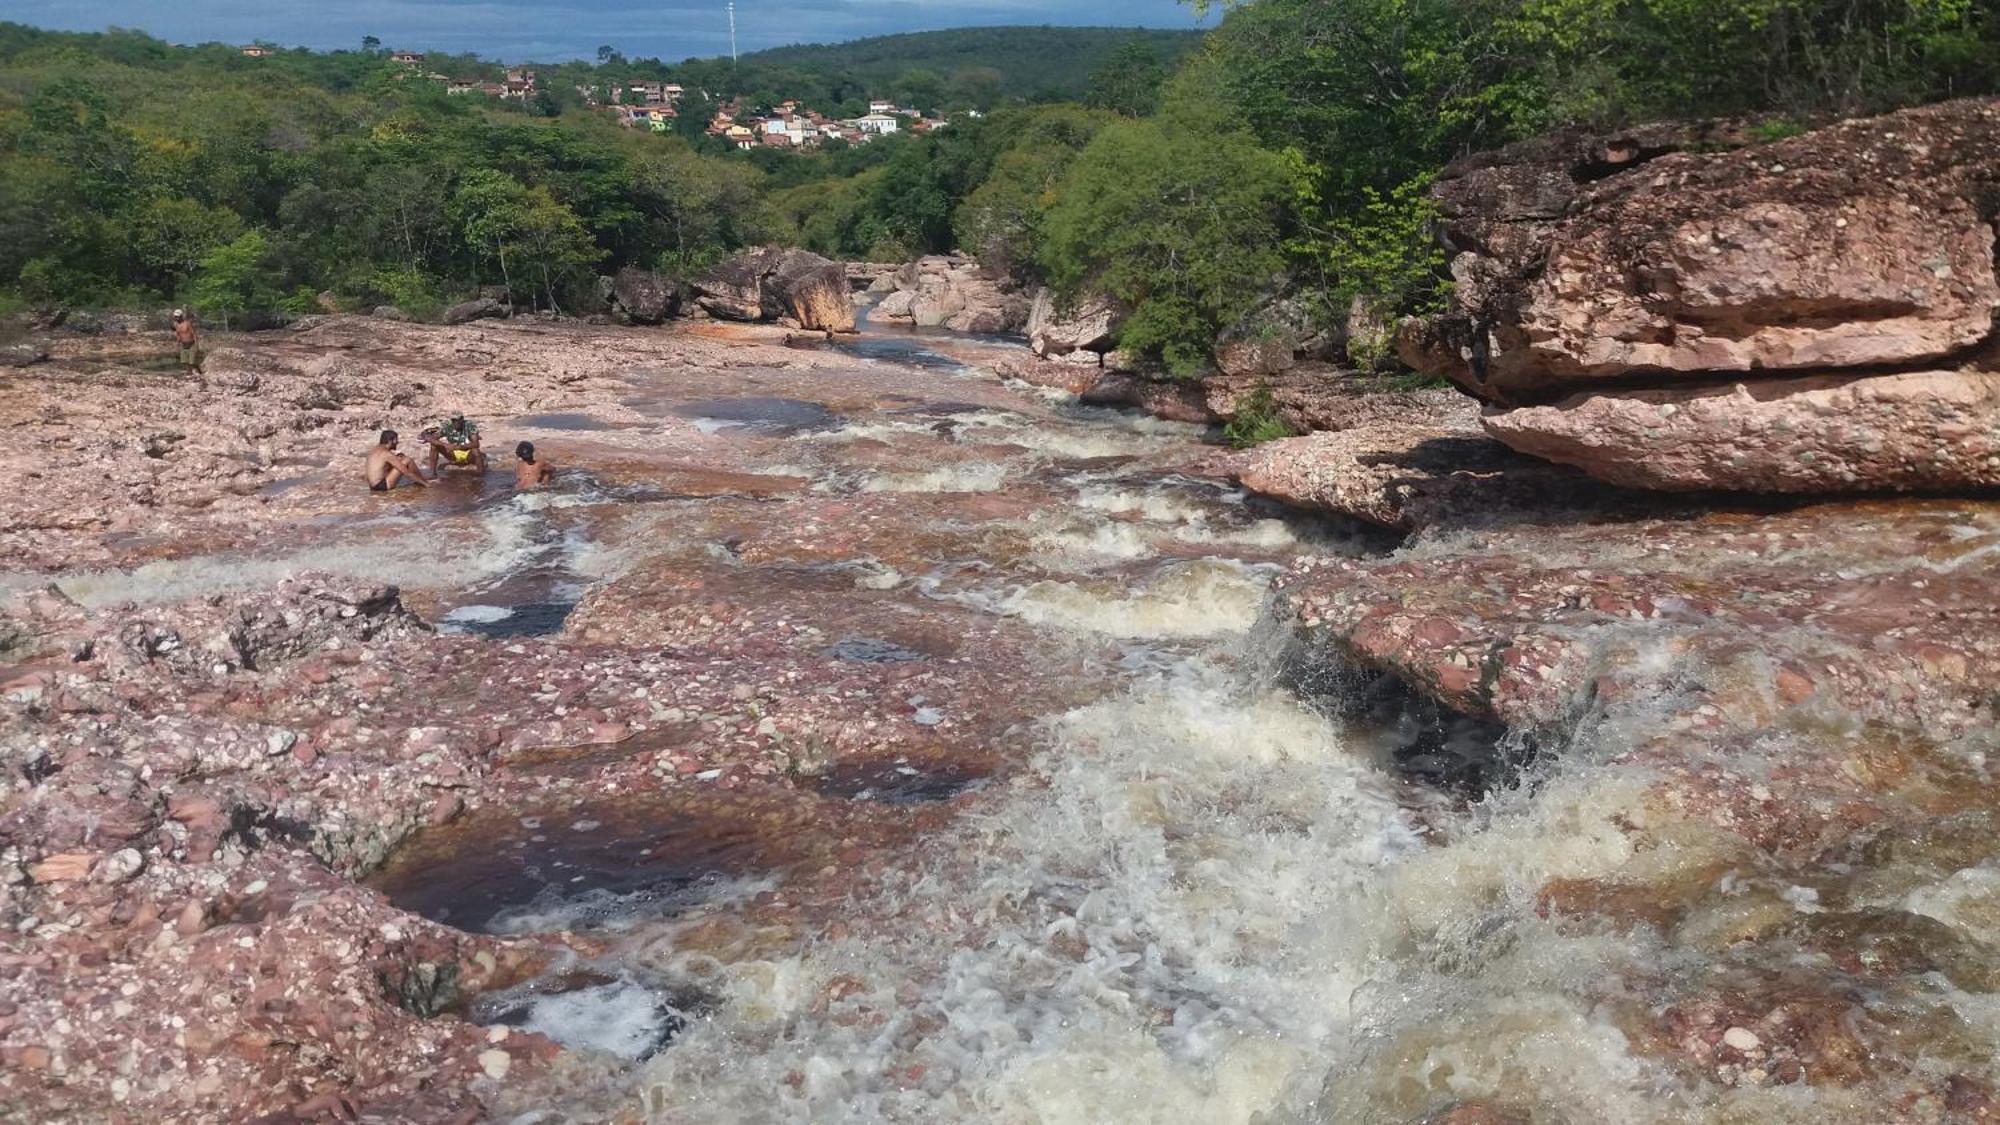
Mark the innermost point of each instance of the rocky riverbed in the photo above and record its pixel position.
(854, 732)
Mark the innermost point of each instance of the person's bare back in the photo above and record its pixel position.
(531, 471)
(386, 468)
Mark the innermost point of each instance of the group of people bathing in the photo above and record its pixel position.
(454, 442)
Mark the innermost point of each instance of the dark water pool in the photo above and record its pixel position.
(581, 867)
(568, 422)
(898, 782)
(781, 416)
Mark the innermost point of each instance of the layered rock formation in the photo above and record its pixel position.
(949, 292)
(796, 287)
(1080, 332)
(1845, 277)
(1408, 461)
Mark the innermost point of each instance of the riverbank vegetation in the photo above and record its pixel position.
(1290, 151)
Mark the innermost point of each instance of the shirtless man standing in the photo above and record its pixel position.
(388, 468)
(529, 472)
(189, 342)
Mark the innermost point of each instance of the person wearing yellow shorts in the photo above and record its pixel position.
(455, 442)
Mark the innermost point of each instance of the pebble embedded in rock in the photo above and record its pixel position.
(495, 1063)
(1741, 1039)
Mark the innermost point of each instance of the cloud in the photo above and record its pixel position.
(548, 31)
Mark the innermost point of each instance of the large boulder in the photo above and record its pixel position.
(1866, 244)
(479, 308)
(772, 283)
(1058, 328)
(644, 297)
(733, 288)
(1410, 461)
(1810, 315)
(811, 290)
(1273, 337)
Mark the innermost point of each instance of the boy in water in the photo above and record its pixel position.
(188, 341)
(387, 468)
(530, 473)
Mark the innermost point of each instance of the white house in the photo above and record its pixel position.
(877, 123)
(881, 106)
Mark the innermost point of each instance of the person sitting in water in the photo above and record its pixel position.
(387, 468)
(457, 441)
(530, 472)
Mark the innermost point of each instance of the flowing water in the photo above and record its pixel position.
(1190, 888)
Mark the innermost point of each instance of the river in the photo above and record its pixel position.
(1020, 808)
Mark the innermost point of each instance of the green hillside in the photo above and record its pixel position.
(1033, 63)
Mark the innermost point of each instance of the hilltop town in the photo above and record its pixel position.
(654, 104)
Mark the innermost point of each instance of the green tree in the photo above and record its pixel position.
(1129, 81)
(921, 89)
(1177, 218)
(173, 236)
(230, 279)
(1000, 219)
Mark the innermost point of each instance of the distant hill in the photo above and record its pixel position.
(1032, 63)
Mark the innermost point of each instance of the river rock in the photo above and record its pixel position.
(951, 292)
(21, 355)
(643, 296)
(1273, 337)
(813, 290)
(1406, 461)
(896, 306)
(771, 284)
(479, 308)
(1865, 244)
(1177, 400)
(1056, 328)
(1910, 431)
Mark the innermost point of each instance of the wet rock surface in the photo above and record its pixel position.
(915, 742)
(285, 809)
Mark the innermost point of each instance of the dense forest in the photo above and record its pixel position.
(1290, 150)
(985, 66)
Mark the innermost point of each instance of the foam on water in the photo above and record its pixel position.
(1153, 504)
(1118, 947)
(1197, 598)
(973, 477)
(1075, 539)
(620, 1016)
(1057, 439)
(496, 542)
(479, 614)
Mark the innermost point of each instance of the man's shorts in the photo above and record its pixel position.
(190, 356)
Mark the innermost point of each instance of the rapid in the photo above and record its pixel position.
(1136, 851)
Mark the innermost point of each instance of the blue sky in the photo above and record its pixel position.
(553, 29)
